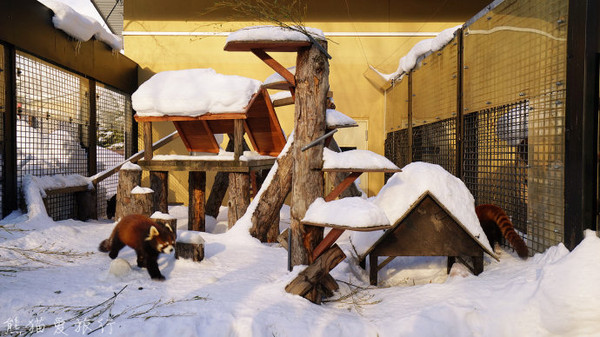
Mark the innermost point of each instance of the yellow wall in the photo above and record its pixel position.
(353, 93)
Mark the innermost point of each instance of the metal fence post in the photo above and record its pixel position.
(9, 199)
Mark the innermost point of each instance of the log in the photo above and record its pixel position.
(220, 184)
(337, 177)
(239, 196)
(190, 251)
(314, 274)
(265, 219)
(141, 202)
(283, 238)
(159, 183)
(196, 186)
(312, 85)
(130, 176)
(165, 219)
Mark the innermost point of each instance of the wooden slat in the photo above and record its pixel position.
(328, 240)
(69, 189)
(147, 140)
(351, 228)
(271, 62)
(207, 165)
(197, 136)
(270, 46)
(342, 186)
(176, 118)
(280, 85)
(360, 170)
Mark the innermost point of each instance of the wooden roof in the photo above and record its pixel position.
(260, 124)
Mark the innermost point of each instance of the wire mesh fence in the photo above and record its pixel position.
(509, 148)
(53, 130)
(3, 68)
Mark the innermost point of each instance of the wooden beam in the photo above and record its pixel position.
(281, 70)
(207, 165)
(196, 203)
(349, 180)
(331, 237)
(238, 139)
(148, 152)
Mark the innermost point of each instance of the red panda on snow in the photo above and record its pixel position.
(496, 224)
(146, 237)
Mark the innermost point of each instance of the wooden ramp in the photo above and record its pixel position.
(426, 229)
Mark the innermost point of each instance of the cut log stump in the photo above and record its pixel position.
(130, 176)
(190, 245)
(310, 281)
(141, 201)
(165, 219)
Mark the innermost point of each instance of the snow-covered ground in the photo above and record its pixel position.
(53, 279)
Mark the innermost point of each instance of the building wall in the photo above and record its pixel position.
(360, 35)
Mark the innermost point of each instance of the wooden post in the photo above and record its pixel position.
(141, 202)
(238, 138)
(239, 196)
(266, 214)
(312, 85)
(130, 176)
(85, 205)
(165, 219)
(197, 186)
(159, 183)
(148, 153)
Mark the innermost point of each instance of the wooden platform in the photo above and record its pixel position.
(268, 46)
(259, 122)
(242, 166)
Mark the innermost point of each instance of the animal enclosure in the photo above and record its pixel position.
(490, 107)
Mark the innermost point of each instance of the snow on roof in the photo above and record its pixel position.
(404, 188)
(350, 212)
(356, 159)
(421, 48)
(193, 92)
(275, 33)
(73, 17)
(334, 118)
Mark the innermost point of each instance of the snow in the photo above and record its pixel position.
(141, 190)
(350, 212)
(129, 166)
(275, 33)
(221, 156)
(335, 118)
(421, 49)
(190, 237)
(404, 188)
(280, 95)
(356, 159)
(238, 290)
(162, 216)
(73, 17)
(193, 92)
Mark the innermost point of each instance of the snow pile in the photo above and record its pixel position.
(129, 166)
(280, 95)
(404, 188)
(356, 159)
(336, 119)
(161, 216)
(119, 267)
(350, 212)
(193, 92)
(141, 190)
(61, 181)
(221, 156)
(275, 33)
(80, 26)
(420, 49)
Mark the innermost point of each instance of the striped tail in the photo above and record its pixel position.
(492, 213)
(104, 246)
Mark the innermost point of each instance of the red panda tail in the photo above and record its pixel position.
(104, 246)
(507, 229)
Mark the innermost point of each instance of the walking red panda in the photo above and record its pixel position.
(146, 237)
(496, 224)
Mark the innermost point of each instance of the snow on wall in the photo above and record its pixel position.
(193, 92)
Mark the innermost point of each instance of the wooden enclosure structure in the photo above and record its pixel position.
(426, 229)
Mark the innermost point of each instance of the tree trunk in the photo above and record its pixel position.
(166, 219)
(196, 187)
(190, 251)
(159, 183)
(266, 214)
(239, 196)
(312, 84)
(128, 179)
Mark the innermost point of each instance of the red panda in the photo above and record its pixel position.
(146, 237)
(496, 224)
